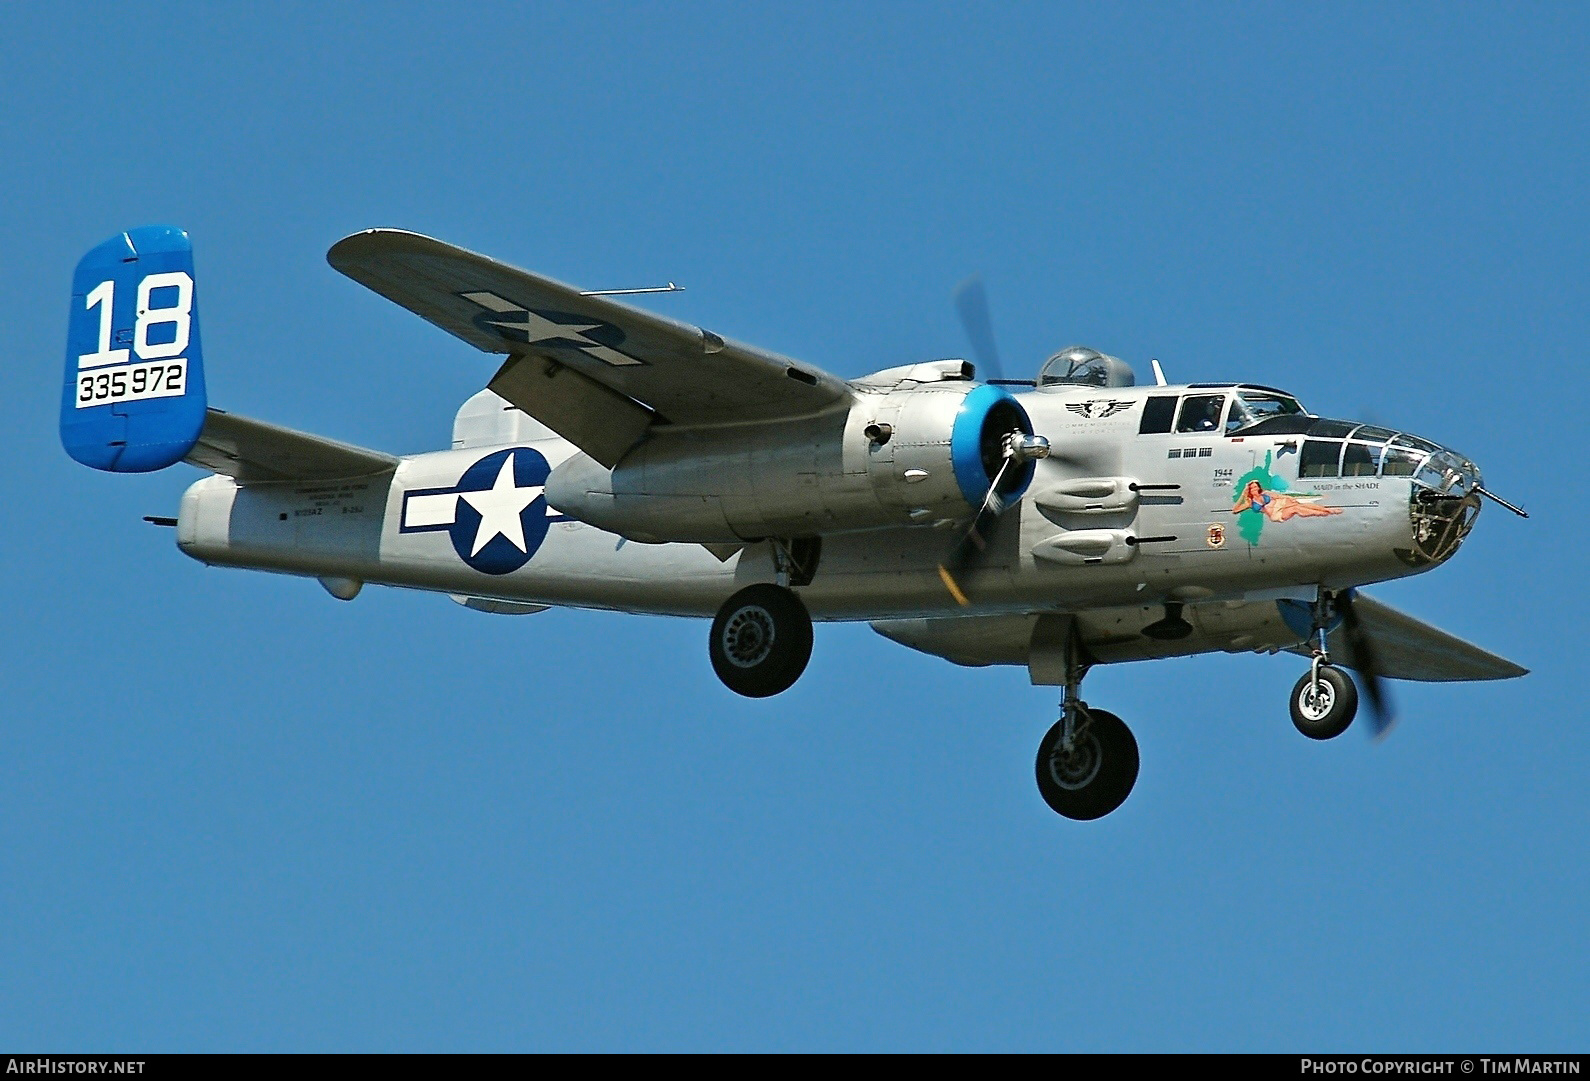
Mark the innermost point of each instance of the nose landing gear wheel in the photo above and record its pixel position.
(1095, 774)
(761, 641)
(1322, 708)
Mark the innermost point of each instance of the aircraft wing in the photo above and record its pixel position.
(1409, 649)
(252, 451)
(1405, 647)
(632, 368)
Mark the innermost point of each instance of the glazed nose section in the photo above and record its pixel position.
(1443, 500)
(1448, 474)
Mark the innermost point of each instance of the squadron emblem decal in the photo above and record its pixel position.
(496, 515)
(550, 329)
(1098, 409)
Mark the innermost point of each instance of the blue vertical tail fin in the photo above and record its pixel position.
(134, 398)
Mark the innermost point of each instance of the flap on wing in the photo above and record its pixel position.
(682, 373)
(601, 422)
(1409, 649)
(252, 451)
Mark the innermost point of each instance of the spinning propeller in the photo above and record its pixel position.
(971, 301)
(1019, 449)
(1367, 663)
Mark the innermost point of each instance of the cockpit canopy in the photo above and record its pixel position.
(1228, 407)
(1254, 405)
(1329, 448)
(1079, 366)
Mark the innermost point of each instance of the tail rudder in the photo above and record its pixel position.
(134, 398)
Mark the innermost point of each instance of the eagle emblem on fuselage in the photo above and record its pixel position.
(1098, 409)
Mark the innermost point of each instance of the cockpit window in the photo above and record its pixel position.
(1406, 440)
(1297, 424)
(1370, 433)
(1405, 454)
(1319, 458)
(1360, 460)
(1158, 412)
(1200, 412)
(1400, 461)
(1253, 406)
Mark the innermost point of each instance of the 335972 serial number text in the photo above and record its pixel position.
(132, 382)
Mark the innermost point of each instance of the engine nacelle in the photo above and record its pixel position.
(910, 452)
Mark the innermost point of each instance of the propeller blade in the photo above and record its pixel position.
(975, 539)
(1367, 663)
(1020, 450)
(971, 301)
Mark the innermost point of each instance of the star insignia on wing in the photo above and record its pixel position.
(549, 330)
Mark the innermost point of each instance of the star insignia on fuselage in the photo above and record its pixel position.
(1098, 409)
(550, 330)
(500, 507)
(496, 515)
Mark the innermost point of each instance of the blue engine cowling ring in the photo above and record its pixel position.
(986, 416)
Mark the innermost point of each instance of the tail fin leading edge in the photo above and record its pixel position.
(134, 399)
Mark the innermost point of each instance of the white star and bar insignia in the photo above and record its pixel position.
(550, 329)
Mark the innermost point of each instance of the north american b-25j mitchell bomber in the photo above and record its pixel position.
(621, 460)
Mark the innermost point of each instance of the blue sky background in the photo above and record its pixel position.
(236, 814)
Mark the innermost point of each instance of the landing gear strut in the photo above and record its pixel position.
(1087, 763)
(1325, 700)
(761, 640)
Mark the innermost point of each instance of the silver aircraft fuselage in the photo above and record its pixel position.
(1114, 520)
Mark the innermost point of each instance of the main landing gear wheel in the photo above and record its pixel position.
(761, 641)
(1324, 702)
(1095, 774)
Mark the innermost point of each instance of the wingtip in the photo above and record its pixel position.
(1502, 668)
(345, 250)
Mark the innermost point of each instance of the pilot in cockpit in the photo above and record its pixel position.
(1201, 413)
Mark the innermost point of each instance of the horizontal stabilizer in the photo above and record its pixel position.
(252, 451)
(1406, 648)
